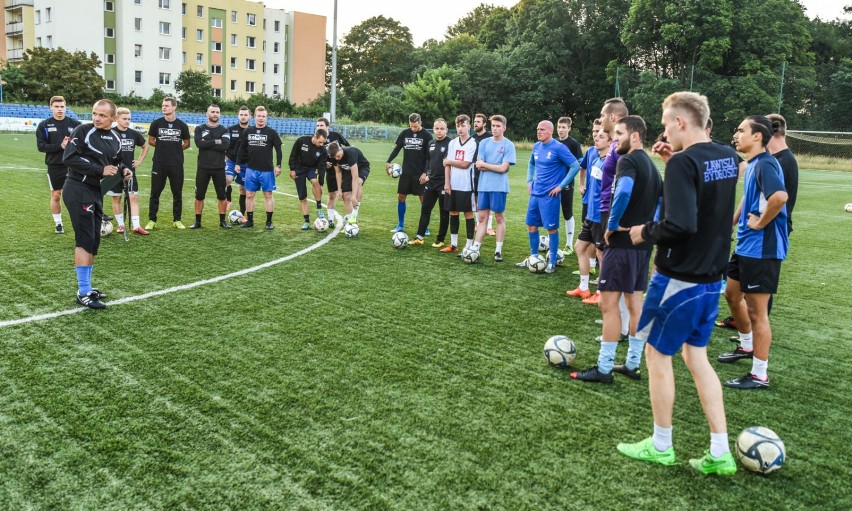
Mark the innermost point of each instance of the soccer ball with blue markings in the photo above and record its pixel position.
(351, 230)
(399, 240)
(106, 228)
(560, 351)
(470, 255)
(321, 224)
(536, 263)
(560, 257)
(543, 243)
(395, 171)
(235, 217)
(760, 450)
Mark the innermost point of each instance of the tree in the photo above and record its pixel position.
(432, 94)
(492, 34)
(472, 22)
(378, 51)
(49, 72)
(382, 105)
(194, 90)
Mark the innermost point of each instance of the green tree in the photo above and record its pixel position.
(472, 22)
(194, 90)
(382, 105)
(448, 52)
(432, 94)
(492, 34)
(48, 72)
(377, 51)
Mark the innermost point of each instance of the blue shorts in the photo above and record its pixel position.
(260, 180)
(494, 201)
(677, 313)
(544, 211)
(229, 171)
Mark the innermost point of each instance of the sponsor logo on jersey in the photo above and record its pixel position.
(127, 144)
(169, 134)
(51, 129)
(460, 154)
(413, 143)
(716, 170)
(204, 133)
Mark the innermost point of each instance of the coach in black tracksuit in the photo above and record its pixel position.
(212, 140)
(169, 136)
(52, 135)
(92, 156)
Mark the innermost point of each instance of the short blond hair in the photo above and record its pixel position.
(122, 111)
(499, 118)
(260, 108)
(691, 105)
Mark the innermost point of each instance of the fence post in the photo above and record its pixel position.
(617, 84)
(781, 93)
(691, 77)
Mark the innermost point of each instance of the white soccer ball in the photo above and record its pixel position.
(351, 230)
(321, 224)
(560, 351)
(543, 243)
(106, 228)
(848, 208)
(399, 240)
(235, 217)
(470, 255)
(760, 450)
(395, 171)
(536, 263)
(560, 257)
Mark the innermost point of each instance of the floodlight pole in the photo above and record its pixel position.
(334, 67)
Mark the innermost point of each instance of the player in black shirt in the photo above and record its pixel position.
(351, 169)
(434, 183)
(231, 175)
(563, 130)
(256, 145)
(130, 140)
(777, 146)
(415, 141)
(169, 136)
(52, 135)
(212, 140)
(93, 156)
(307, 158)
(326, 174)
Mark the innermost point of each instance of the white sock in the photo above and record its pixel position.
(593, 263)
(490, 220)
(662, 438)
(468, 243)
(476, 245)
(499, 247)
(758, 367)
(119, 217)
(57, 218)
(135, 221)
(625, 316)
(454, 240)
(332, 213)
(569, 233)
(584, 282)
(746, 341)
(719, 444)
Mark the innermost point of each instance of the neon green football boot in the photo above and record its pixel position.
(724, 465)
(645, 451)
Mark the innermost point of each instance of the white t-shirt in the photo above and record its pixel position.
(461, 179)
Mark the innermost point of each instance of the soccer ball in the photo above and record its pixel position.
(351, 230)
(470, 255)
(321, 224)
(543, 243)
(106, 228)
(395, 171)
(848, 208)
(760, 450)
(560, 351)
(536, 263)
(560, 257)
(399, 240)
(235, 217)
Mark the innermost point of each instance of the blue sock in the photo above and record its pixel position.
(606, 357)
(533, 242)
(554, 246)
(634, 353)
(84, 279)
(400, 212)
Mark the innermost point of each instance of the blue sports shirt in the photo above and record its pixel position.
(763, 177)
(491, 151)
(551, 165)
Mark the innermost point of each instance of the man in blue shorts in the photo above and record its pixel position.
(231, 174)
(638, 188)
(255, 150)
(495, 155)
(761, 247)
(307, 158)
(693, 237)
(551, 168)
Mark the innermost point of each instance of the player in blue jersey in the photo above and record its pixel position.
(761, 247)
(551, 168)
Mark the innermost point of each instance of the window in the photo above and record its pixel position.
(251, 41)
(217, 93)
(199, 59)
(165, 28)
(50, 41)
(109, 7)
(199, 11)
(233, 62)
(47, 15)
(215, 70)
(275, 68)
(183, 57)
(233, 39)
(137, 77)
(183, 9)
(277, 26)
(264, 45)
(275, 89)
(216, 22)
(137, 2)
(165, 78)
(263, 67)
(37, 17)
(110, 85)
(199, 35)
(216, 46)
(137, 50)
(233, 85)
(109, 32)
(109, 58)
(183, 32)
(165, 4)
(233, 17)
(137, 24)
(38, 42)
(251, 19)
(276, 47)
(250, 87)
(264, 23)
(250, 64)
(165, 53)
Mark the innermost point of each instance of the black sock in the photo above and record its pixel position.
(269, 217)
(243, 204)
(319, 204)
(454, 224)
(221, 217)
(198, 219)
(470, 224)
(250, 216)
(307, 218)
(228, 193)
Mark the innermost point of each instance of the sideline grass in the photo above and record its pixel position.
(363, 377)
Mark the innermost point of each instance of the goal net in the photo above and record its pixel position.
(832, 144)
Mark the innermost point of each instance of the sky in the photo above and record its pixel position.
(430, 19)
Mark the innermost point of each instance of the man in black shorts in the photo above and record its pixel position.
(52, 136)
(169, 136)
(415, 141)
(563, 130)
(307, 157)
(130, 140)
(326, 175)
(212, 140)
(92, 154)
(434, 186)
(351, 170)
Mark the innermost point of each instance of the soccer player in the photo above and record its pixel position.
(92, 154)
(551, 168)
(415, 141)
(638, 188)
(212, 140)
(762, 242)
(327, 174)
(351, 170)
(130, 140)
(52, 136)
(434, 186)
(458, 182)
(563, 131)
(777, 146)
(231, 174)
(256, 145)
(495, 156)
(480, 133)
(169, 136)
(307, 159)
(693, 239)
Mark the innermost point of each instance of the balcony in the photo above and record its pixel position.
(15, 55)
(14, 28)
(17, 4)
